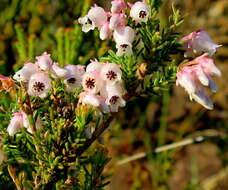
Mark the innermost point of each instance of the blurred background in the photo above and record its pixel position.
(30, 27)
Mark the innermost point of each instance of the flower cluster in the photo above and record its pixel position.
(195, 75)
(114, 23)
(37, 76)
(103, 86)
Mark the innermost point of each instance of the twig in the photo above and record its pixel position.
(182, 143)
(12, 173)
(97, 133)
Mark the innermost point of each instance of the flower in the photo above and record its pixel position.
(86, 23)
(105, 31)
(87, 98)
(95, 18)
(57, 71)
(113, 95)
(140, 12)
(73, 78)
(199, 42)
(92, 82)
(124, 37)
(44, 61)
(197, 74)
(6, 83)
(39, 85)
(24, 74)
(117, 20)
(94, 66)
(111, 73)
(19, 120)
(118, 6)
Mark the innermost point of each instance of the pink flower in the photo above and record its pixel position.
(195, 75)
(94, 66)
(140, 12)
(87, 24)
(95, 18)
(105, 31)
(19, 120)
(92, 82)
(114, 96)
(118, 6)
(24, 74)
(111, 73)
(57, 71)
(199, 42)
(87, 98)
(44, 61)
(124, 37)
(117, 20)
(39, 85)
(73, 78)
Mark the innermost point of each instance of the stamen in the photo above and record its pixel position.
(124, 46)
(90, 83)
(111, 75)
(113, 99)
(71, 80)
(38, 86)
(142, 14)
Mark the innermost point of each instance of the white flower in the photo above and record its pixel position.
(94, 66)
(92, 82)
(114, 96)
(39, 85)
(95, 18)
(124, 37)
(87, 98)
(140, 12)
(86, 23)
(73, 78)
(57, 71)
(44, 61)
(124, 49)
(111, 73)
(24, 74)
(124, 34)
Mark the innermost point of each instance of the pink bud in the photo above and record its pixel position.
(44, 61)
(118, 6)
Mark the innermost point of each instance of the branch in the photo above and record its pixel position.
(182, 143)
(96, 134)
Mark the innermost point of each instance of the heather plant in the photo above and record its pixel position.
(56, 108)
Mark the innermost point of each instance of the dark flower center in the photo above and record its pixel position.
(142, 14)
(38, 86)
(111, 75)
(124, 46)
(71, 80)
(90, 83)
(89, 22)
(113, 99)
